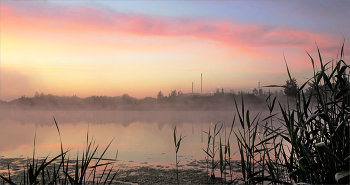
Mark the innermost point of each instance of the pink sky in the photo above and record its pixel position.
(84, 49)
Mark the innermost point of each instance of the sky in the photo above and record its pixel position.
(109, 48)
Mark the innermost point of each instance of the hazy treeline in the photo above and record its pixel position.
(175, 101)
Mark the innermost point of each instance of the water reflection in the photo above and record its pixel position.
(120, 117)
(141, 137)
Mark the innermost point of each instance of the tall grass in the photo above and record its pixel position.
(319, 135)
(45, 171)
(312, 145)
(305, 140)
(212, 148)
(177, 147)
(223, 162)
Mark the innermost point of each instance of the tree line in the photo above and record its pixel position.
(176, 100)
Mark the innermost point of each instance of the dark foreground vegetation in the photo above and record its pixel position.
(311, 146)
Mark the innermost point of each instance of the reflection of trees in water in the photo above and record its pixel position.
(124, 118)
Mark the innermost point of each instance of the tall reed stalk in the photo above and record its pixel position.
(177, 147)
(38, 171)
(312, 144)
(212, 148)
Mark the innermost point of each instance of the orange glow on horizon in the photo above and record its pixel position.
(81, 51)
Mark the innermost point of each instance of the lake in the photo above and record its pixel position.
(140, 137)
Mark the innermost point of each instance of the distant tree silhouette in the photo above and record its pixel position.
(291, 87)
(125, 96)
(173, 94)
(37, 95)
(160, 95)
(176, 100)
(127, 99)
(217, 91)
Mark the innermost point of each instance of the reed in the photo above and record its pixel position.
(223, 161)
(39, 171)
(312, 144)
(319, 135)
(212, 148)
(228, 154)
(177, 147)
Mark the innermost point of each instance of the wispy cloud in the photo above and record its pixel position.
(48, 17)
(69, 43)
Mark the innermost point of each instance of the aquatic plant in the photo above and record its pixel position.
(312, 144)
(212, 148)
(41, 171)
(319, 135)
(177, 147)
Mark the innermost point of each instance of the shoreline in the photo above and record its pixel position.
(194, 172)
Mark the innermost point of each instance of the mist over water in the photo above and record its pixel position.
(117, 117)
(140, 137)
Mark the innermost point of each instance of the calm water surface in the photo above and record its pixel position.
(140, 137)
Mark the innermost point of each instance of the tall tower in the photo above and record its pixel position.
(201, 83)
(192, 87)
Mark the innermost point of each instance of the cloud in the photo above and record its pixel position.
(44, 16)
